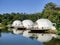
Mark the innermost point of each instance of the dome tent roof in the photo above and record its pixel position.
(17, 23)
(27, 23)
(44, 23)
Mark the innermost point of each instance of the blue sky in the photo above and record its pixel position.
(24, 6)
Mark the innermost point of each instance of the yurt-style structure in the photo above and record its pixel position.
(27, 23)
(44, 24)
(17, 23)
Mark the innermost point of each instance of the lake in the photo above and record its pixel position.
(7, 37)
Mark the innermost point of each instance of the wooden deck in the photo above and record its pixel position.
(35, 30)
(23, 28)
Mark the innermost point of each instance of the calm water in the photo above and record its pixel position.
(9, 38)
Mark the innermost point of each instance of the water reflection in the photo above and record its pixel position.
(39, 37)
(17, 31)
(44, 37)
(26, 34)
(16, 37)
(48, 41)
(0, 33)
(53, 42)
(9, 38)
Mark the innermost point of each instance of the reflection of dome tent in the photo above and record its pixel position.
(17, 23)
(27, 23)
(44, 37)
(26, 34)
(44, 24)
(17, 31)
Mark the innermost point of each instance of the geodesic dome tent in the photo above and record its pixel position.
(44, 24)
(17, 23)
(27, 23)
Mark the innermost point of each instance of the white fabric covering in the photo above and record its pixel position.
(44, 23)
(17, 23)
(27, 23)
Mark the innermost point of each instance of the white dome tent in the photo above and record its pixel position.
(27, 23)
(17, 23)
(44, 24)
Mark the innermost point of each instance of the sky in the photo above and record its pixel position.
(24, 6)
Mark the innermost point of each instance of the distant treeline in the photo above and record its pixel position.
(51, 11)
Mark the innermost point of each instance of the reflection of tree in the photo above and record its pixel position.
(53, 42)
(0, 33)
(4, 30)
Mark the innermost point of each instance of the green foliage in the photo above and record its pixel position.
(4, 21)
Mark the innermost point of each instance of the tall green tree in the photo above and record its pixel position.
(50, 12)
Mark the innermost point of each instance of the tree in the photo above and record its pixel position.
(49, 12)
(0, 18)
